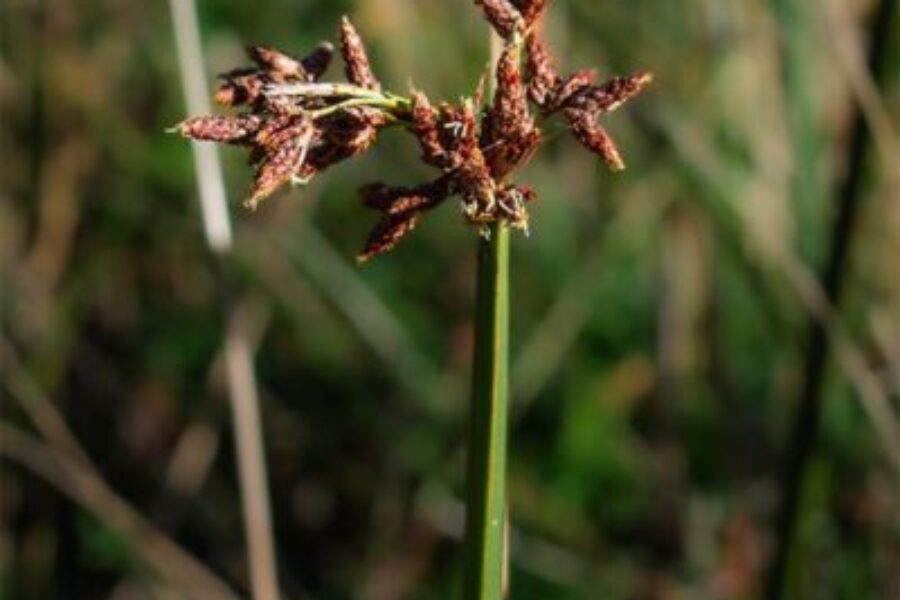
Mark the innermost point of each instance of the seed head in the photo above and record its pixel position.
(297, 127)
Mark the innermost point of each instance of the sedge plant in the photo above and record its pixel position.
(296, 125)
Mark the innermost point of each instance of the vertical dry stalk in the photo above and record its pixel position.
(239, 360)
(251, 459)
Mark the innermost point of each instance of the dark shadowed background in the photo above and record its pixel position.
(668, 322)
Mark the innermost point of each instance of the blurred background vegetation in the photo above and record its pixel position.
(661, 321)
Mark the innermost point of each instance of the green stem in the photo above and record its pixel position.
(486, 477)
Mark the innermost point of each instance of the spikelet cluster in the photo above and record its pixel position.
(297, 126)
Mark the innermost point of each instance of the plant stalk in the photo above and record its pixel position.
(483, 569)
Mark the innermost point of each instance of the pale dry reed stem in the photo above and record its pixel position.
(242, 394)
(213, 203)
(251, 459)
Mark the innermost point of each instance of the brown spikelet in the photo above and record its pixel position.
(612, 94)
(509, 114)
(476, 185)
(229, 130)
(530, 9)
(424, 126)
(574, 84)
(280, 164)
(398, 199)
(541, 75)
(503, 16)
(509, 136)
(353, 131)
(273, 172)
(379, 196)
(343, 136)
(511, 155)
(242, 86)
(593, 137)
(316, 62)
(356, 61)
(456, 128)
(401, 207)
(387, 232)
(274, 132)
(278, 65)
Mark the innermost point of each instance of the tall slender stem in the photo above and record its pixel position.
(486, 476)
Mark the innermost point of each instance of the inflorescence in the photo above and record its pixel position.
(297, 126)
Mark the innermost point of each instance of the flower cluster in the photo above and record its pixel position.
(297, 126)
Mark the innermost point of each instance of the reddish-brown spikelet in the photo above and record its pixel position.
(612, 94)
(356, 61)
(593, 137)
(387, 233)
(316, 62)
(273, 172)
(477, 188)
(282, 161)
(540, 73)
(530, 9)
(456, 128)
(574, 84)
(343, 135)
(229, 130)
(509, 114)
(353, 130)
(509, 135)
(277, 65)
(274, 132)
(424, 126)
(463, 133)
(378, 195)
(503, 16)
(241, 86)
(401, 207)
(398, 199)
